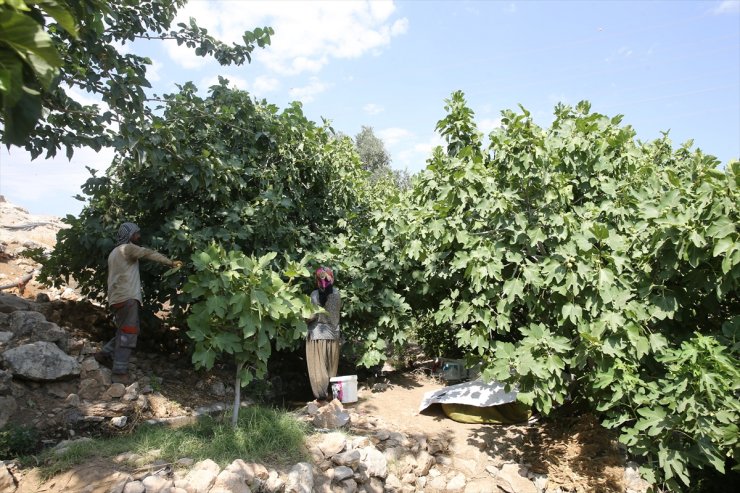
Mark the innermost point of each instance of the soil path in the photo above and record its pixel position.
(398, 407)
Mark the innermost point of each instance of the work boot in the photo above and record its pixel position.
(123, 378)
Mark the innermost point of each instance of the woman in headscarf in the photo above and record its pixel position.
(322, 341)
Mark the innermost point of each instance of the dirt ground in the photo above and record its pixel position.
(575, 453)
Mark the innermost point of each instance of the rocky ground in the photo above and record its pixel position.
(49, 380)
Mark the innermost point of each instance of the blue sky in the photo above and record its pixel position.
(389, 65)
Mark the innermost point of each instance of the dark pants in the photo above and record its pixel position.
(120, 347)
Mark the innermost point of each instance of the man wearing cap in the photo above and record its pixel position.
(124, 297)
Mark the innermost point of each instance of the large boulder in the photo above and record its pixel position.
(10, 303)
(29, 326)
(40, 361)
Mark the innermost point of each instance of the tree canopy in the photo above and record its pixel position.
(77, 51)
(577, 262)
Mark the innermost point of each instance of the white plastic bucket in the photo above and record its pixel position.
(344, 388)
(453, 370)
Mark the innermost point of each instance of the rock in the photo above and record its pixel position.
(7, 481)
(393, 454)
(119, 421)
(62, 447)
(116, 390)
(157, 484)
(134, 487)
(72, 400)
(10, 303)
(8, 407)
(467, 466)
(421, 483)
(120, 484)
(456, 484)
(392, 483)
(185, 462)
(437, 484)
(217, 388)
(254, 474)
(6, 379)
(511, 480)
(632, 479)
(31, 326)
(347, 486)
(89, 389)
(349, 459)
(69, 294)
(375, 485)
(300, 479)
(332, 444)
(382, 435)
(88, 365)
(540, 481)
(312, 408)
(40, 361)
(201, 477)
(409, 478)
(273, 484)
(322, 484)
(341, 473)
(5, 337)
(479, 486)
(359, 442)
(230, 482)
(331, 416)
(437, 445)
(424, 462)
(374, 462)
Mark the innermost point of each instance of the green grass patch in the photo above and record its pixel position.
(263, 435)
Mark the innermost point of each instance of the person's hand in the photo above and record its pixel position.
(176, 264)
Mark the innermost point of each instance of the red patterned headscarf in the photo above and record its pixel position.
(324, 277)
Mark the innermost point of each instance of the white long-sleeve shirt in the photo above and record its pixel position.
(124, 282)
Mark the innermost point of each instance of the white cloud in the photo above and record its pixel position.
(414, 156)
(394, 135)
(85, 98)
(486, 125)
(308, 93)
(184, 56)
(234, 82)
(152, 71)
(264, 84)
(373, 109)
(48, 186)
(400, 27)
(727, 7)
(307, 34)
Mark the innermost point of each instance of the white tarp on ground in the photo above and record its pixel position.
(473, 393)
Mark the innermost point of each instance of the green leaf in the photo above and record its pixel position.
(61, 15)
(31, 43)
(721, 228)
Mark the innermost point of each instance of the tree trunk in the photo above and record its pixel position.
(237, 394)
